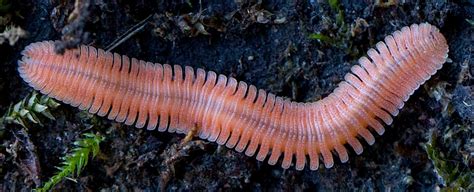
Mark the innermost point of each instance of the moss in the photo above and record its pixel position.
(341, 37)
(453, 173)
(322, 37)
(75, 162)
(336, 6)
(5, 6)
(29, 110)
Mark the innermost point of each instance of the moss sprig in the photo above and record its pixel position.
(453, 173)
(74, 163)
(29, 109)
(336, 6)
(342, 34)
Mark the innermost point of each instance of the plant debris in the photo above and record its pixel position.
(74, 33)
(463, 102)
(26, 155)
(190, 25)
(175, 154)
(12, 34)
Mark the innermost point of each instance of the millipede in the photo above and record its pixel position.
(232, 113)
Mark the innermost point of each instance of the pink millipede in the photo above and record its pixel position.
(238, 115)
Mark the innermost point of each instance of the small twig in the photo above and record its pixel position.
(467, 104)
(76, 12)
(189, 136)
(129, 33)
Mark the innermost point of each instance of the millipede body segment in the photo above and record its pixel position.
(236, 114)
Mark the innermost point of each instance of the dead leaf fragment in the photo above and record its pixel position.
(12, 34)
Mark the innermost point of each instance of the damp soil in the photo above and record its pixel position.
(264, 43)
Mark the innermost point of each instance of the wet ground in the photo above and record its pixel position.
(265, 43)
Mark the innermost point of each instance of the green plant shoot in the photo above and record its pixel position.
(75, 162)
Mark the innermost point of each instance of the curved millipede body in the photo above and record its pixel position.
(238, 115)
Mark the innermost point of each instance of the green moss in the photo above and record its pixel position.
(75, 162)
(29, 110)
(454, 174)
(322, 37)
(341, 37)
(336, 6)
(5, 6)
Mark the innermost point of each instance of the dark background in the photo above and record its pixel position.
(265, 43)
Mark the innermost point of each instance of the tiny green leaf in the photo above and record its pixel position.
(321, 37)
(39, 108)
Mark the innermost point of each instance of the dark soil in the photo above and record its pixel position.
(262, 43)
